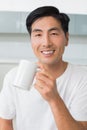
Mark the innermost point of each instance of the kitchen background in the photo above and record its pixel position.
(15, 42)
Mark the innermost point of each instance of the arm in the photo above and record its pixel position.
(6, 124)
(46, 85)
(63, 118)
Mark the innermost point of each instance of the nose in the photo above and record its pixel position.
(46, 41)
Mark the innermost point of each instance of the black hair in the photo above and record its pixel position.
(47, 11)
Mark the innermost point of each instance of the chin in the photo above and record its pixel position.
(47, 62)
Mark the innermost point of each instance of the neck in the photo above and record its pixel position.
(56, 69)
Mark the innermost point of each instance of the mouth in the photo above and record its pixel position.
(48, 52)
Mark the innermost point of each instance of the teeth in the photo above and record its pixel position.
(48, 52)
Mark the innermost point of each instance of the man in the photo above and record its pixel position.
(58, 100)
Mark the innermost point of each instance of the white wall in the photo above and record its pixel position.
(14, 47)
(68, 6)
(76, 51)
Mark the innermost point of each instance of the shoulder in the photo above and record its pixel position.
(78, 72)
(78, 68)
(10, 75)
(9, 79)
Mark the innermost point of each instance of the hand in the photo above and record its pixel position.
(46, 85)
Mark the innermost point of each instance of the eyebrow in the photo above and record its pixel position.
(37, 30)
(49, 30)
(54, 29)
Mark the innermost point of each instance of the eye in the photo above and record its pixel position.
(37, 35)
(54, 33)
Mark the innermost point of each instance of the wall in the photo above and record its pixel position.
(63, 5)
(76, 52)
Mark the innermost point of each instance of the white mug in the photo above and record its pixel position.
(25, 74)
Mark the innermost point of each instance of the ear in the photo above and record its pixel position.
(67, 38)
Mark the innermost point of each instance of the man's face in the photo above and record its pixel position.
(48, 40)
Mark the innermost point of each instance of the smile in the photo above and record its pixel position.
(48, 52)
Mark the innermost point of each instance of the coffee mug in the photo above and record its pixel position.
(25, 74)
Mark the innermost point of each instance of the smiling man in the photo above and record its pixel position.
(58, 100)
(48, 39)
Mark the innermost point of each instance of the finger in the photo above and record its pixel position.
(39, 87)
(44, 75)
(43, 70)
(44, 81)
(42, 78)
(40, 65)
(40, 83)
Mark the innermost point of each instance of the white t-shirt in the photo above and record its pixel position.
(32, 111)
